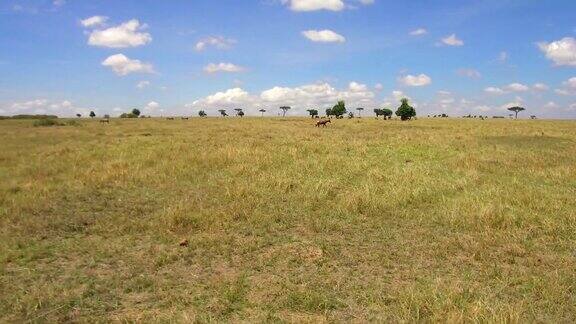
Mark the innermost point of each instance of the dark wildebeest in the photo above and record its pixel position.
(323, 122)
(105, 121)
(184, 118)
(170, 118)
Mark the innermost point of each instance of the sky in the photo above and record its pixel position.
(177, 57)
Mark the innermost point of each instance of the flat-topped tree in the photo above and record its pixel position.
(262, 111)
(222, 112)
(313, 112)
(78, 115)
(239, 112)
(202, 113)
(284, 110)
(136, 112)
(516, 110)
(92, 114)
(359, 111)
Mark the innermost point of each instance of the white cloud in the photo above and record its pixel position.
(452, 40)
(64, 108)
(561, 52)
(142, 84)
(415, 80)
(562, 92)
(59, 3)
(469, 73)
(313, 5)
(517, 87)
(128, 34)
(226, 99)
(94, 21)
(540, 87)
(378, 86)
(152, 108)
(503, 56)
(223, 67)
(324, 36)
(551, 104)
(494, 90)
(570, 83)
(366, 2)
(319, 95)
(122, 65)
(419, 32)
(217, 42)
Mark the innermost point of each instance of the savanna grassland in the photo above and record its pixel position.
(365, 220)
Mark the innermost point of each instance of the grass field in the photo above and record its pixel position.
(427, 220)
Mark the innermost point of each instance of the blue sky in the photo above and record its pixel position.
(177, 57)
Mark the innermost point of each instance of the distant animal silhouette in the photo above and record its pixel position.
(105, 121)
(170, 118)
(323, 122)
(184, 118)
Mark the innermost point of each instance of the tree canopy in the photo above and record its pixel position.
(516, 110)
(339, 109)
(405, 111)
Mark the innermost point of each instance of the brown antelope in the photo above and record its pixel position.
(323, 122)
(184, 118)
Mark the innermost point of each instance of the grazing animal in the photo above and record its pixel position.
(323, 122)
(105, 121)
(170, 118)
(184, 118)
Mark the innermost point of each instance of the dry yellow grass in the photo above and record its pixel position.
(434, 220)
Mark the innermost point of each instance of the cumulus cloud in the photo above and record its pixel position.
(152, 108)
(128, 34)
(318, 95)
(503, 57)
(94, 21)
(469, 73)
(517, 87)
(452, 40)
(123, 65)
(64, 108)
(324, 36)
(313, 5)
(561, 52)
(415, 80)
(494, 90)
(217, 42)
(223, 67)
(540, 87)
(570, 83)
(142, 84)
(419, 32)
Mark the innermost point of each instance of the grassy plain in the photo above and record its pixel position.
(427, 220)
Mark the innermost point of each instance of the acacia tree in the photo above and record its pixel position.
(92, 114)
(202, 113)
(516, 110)
(239, 112)
(312, 112)
(262, 111)
(223, 112)
(359, 111)
(405, 111)
(284, 110)
(78, 115)
(136, 112)
(329, 112)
